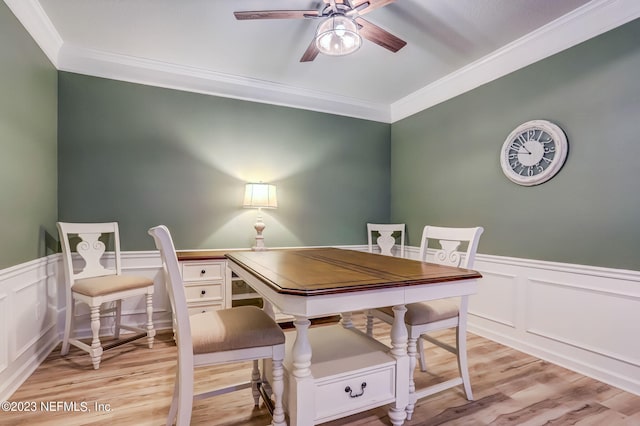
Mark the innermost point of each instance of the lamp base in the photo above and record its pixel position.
(259, 243)
(259, 226)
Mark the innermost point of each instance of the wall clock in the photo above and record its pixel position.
(534, 152)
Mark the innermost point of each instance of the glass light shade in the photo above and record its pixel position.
(338, 36)
(260, 195)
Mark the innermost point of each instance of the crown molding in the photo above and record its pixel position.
(588, 21)
(33, 18)
(172, 76)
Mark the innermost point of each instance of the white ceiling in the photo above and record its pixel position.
(198, 45)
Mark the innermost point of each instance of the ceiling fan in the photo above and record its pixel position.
(341, 28)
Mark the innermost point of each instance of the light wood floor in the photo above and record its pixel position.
(133, 387)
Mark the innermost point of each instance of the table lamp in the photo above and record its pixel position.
(260, 196)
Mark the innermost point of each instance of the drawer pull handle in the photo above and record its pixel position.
(350, 392)
(203, 271)
(203, 292)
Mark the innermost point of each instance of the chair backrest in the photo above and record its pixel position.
(450, 239)
(386, 241)
(90, 248)
(175, 288)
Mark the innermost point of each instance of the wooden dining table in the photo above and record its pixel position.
(336, 371)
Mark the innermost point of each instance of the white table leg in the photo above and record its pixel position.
(302, 395)
(399, 337)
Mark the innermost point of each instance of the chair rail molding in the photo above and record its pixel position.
(578, 316)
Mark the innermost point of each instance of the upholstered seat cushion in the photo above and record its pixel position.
(427, 312)
(107, 284)
(234, 328)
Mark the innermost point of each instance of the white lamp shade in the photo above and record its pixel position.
(260, 195)
(338, 36)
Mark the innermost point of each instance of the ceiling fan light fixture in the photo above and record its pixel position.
(338, 36)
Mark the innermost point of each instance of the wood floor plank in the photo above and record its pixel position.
(136, 384)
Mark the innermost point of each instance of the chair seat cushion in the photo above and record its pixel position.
(107, 284)
(428, 312)
(234, 328)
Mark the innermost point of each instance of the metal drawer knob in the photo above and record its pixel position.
(203, 271)
(203, 292)
(350, 392)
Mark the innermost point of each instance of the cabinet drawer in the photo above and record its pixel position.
(353, 393)
(203, 292)
(202, 271)
(198, 309)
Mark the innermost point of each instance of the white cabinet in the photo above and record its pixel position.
(210, 285)
(207, 280)
(205, 284)
(351, 373)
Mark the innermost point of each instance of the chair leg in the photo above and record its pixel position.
(278, 391)
(369, 323)
(96, 347)
(461, 337)
(255, 380)
(68, 325)
(173, 409)
(346, 319)
(116, 331)
(184, 400)
(411, 350)
(423, 362)
(265, 383)
(150, 330)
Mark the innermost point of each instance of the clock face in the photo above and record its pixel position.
(534, 152)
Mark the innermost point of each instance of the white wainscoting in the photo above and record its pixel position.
(32, 312)
(28, 319)
(584, 318)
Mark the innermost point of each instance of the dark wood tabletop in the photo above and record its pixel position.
(318, 271)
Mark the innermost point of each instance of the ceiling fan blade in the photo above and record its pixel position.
(379, 36)
(311, 52)
(276, 14)
(373, 5)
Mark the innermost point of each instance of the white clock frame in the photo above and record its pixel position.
(560, 146)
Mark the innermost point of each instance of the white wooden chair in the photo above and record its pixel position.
(386, 241)
(425, 317)
(100, 280)
(216, 337)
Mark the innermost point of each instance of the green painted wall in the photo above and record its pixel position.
(28, 126)
(445, 168)
(144, 156)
